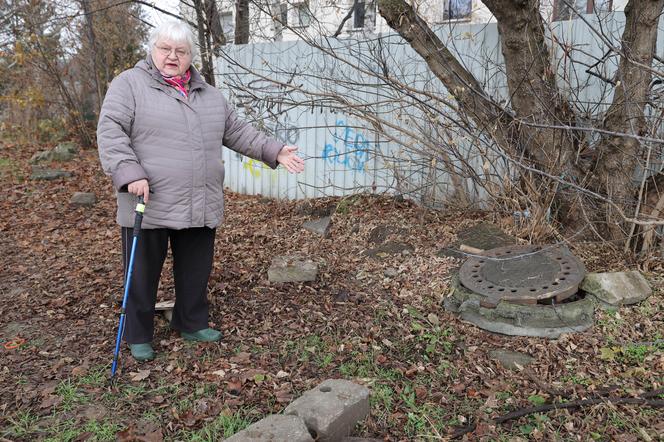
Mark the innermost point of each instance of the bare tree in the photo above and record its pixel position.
(540, 121)
(540, 147)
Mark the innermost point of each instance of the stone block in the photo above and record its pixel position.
(332, 409)
(618, 288)
(274, 428)
(39, 173)
(319, 226)
(84, 199)
(511, 359)
(41, 156)
(64, 152)
(292, 269)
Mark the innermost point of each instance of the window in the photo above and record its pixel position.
(283, 14)
(303, 16)
(564, 9)
(457, 9)
(358, 14)
(280, 19)
(364, 15)
(228, 26)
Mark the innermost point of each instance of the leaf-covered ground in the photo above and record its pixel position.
(376, 320)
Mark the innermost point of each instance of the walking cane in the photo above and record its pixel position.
(140, 208)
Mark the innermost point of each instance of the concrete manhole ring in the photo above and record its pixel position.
(523, 274)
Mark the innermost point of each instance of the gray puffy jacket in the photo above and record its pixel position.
(148, 130)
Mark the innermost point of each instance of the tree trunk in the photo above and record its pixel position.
(619, 156)
(538, 106)
(214, 26)
(85, 4)
(204, 43)
(241, 21)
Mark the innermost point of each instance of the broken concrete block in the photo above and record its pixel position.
(618, 288)
(292, 269)
(537, 320)
(332, 409)
(41, 156)
(511, 359)
(84, 199)
(276, 427)
(319, 226)
(166, 308)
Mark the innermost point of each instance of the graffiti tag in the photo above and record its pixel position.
(349, 148)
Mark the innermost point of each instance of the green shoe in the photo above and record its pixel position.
(142, 352)
(205, 335)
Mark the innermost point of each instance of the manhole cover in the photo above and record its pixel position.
(523, 274)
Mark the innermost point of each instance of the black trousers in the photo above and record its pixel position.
(193, 251)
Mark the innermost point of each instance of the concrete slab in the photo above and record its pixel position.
(40, 173)
(84, 199)
(274, 428)
(511, 359)
(292, 269)
(332, 409)
(319, 226)
(483, 236)
(617, 288)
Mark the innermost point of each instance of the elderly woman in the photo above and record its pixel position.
(160, 135)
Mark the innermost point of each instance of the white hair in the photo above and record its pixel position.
(176, 31)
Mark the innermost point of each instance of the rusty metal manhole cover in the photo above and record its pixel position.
(523, 274)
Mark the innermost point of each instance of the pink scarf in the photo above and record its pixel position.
(179, 82)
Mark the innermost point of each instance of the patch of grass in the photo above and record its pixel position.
(132, 392)
(183, 405)
(381, 397)
(69, 430)
(95, 377)
(637, 353)
(346, 203)
(71, 396)
(22, 425)
(101, 431)
(425, 423)
(10, 167)
(610, 321)
(575, 379)
(224, 425)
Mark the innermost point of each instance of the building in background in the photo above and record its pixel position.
(279, 20)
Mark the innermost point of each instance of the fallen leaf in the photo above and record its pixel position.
(139, 375)
(81, 370)
(241, 358)
(50, 402)
(421, 392)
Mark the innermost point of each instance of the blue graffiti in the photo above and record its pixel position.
(350, 148)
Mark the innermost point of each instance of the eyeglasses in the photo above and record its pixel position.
(166, 51)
